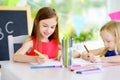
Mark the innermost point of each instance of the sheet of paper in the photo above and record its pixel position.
(87, 64)
(49, 62)
(79, 61)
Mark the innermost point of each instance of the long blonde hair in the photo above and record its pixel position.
(114, 28)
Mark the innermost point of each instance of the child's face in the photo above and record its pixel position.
(108, 39)
(47, 27)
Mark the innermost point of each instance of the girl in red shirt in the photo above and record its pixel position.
(44, 38)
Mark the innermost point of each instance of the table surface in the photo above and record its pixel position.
(22, 71)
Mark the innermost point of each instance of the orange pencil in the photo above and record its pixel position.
(40, 54)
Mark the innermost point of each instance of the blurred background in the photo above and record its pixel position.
(80, 19)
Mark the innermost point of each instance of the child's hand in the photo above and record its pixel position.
(45, 56)
(41, 59)
(58, 57)
(85, 56)
(95, 59)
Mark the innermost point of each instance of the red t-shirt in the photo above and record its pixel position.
(48, 48)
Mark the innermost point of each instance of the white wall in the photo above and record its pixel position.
(113, 5)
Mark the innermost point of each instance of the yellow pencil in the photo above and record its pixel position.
(40, 54)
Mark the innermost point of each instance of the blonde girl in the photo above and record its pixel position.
(110, 34)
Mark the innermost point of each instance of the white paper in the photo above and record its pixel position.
(49, 62)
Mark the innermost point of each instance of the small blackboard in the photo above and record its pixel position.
(13, 21)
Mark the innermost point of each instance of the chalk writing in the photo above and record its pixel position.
(6, 28)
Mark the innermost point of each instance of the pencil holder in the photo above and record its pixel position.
(67, 51)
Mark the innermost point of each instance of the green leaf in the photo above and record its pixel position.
(12, 2)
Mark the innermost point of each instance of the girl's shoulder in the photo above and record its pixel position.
(28, 42)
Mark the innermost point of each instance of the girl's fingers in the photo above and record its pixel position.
(43, 57)
(40, 60)
(95, 59)
(57, 58)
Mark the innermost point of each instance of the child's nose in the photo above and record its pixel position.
(48, 30)
(106, 45)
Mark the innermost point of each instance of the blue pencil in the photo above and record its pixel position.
(87, 71)
(35, 66)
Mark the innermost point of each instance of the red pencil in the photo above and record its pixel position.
(86, 48)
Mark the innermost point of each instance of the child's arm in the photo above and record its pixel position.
(84, 54)
(25, 58)
(21, 57)
(59, 54)
(92, 53)
(107, 59)
(76, 54)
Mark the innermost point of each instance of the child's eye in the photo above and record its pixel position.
(44, 26)
(52, 27)
(108, 41)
